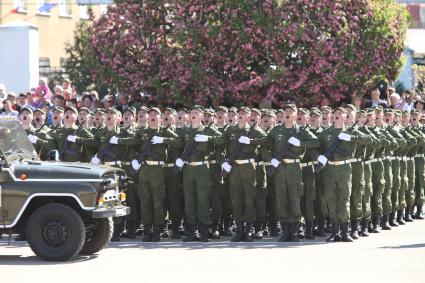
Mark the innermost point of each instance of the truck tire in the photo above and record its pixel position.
(97, 239)
(55, 232)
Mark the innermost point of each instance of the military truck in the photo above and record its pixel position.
(63, 209)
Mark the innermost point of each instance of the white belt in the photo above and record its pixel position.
(153, 163)
(310, 163)
(290, 161)
(168, 165)
(342, 162)
(405, 158)
(111, 163)
(393, 158)
(197, 163)
(354, 160)
(212, 161)
(260, 163)
(245, 161)
(419, 155)
(374, 160)
(125, 163)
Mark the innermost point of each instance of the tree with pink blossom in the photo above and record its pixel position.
(241, 51)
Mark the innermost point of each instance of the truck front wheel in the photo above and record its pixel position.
(98, 235)
(55, 232)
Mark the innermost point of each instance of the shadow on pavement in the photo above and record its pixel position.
(217, 244)
(412, 246)
(34, 260)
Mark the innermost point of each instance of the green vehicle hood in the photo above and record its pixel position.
(59, 170)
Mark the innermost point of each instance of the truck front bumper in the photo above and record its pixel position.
(115, 211)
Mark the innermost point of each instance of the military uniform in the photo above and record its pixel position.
(378, 178)
(151, 185)
(108, 154)
(133, 220)
(197, 184)
(419, 171)
(405, 163)
(411, 173)
(288, 176)
(338, 179)
(68, 151)
(174, 188)
(220, 212)
(242, 177)
(368, 151)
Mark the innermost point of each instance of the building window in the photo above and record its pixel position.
(84, 12)
(21, 6)
(44, 66)
(65, 8)
(44, 7)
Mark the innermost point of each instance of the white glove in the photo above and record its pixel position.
(201, 138)
(294, 141)
(322, 159)
(275, 163)
(95, 160)
(344, 137)
(114, 140)
(157, 140)
(226, 167)
(135, 164)
(33, 139)
(179, 162)
(244, 140)
(72, 138)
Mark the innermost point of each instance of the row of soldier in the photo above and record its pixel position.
(342, 171)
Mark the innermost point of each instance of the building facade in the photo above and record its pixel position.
(56, 21)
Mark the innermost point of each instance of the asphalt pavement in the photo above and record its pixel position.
(391, 256)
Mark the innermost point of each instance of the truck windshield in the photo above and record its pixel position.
(14, 143)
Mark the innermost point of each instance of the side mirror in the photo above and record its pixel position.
(53, 155)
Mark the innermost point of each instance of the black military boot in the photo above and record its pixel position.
(227, 223)
(392, 220)
(309, 230)
(131, 229)
(384, 223)
(364, 230)
(147, 233)
(285, 232)
(407, 214)
(214, 228)
(191, 234)
(328, 226)
(320, 231)
(258, 230)
(354, 229)
(175, 230)
(418, 214)
(294, 232)
(203, 232)
(274, 228)
(375, 222)
(164, 231)
(300, 232)
(156, 233)
(345, 237)
(249, 232)
(334, 237)
(239, 237)
(400, 218)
